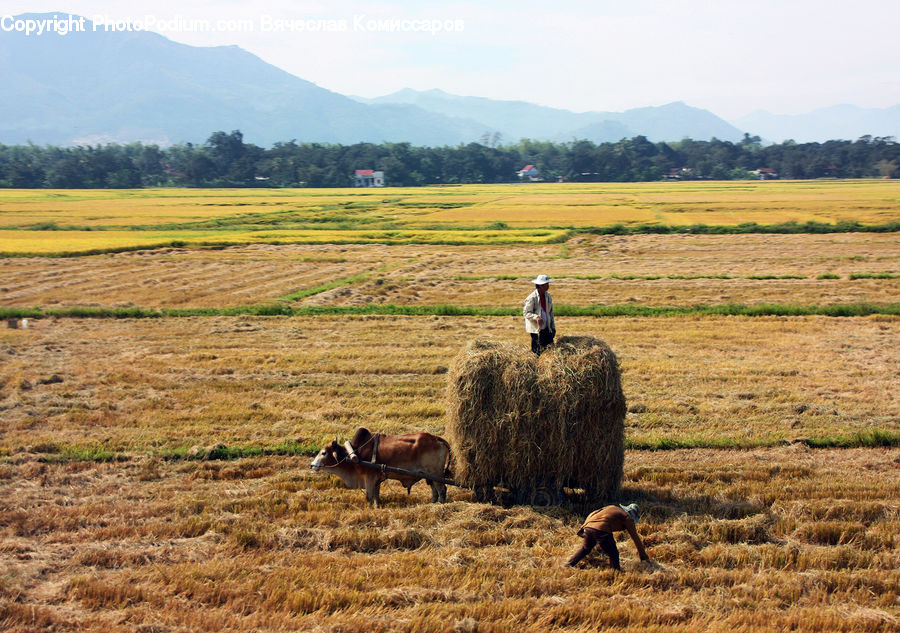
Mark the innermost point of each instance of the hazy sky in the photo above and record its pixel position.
(729, 56)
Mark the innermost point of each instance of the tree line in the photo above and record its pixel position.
(225, 160)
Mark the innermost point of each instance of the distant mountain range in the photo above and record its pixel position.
(95, 87)
(88, 87)
(519, 119)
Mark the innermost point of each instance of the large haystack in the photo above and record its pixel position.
(523, 421)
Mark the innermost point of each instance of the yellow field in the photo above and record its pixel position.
(869, 202)
(116, 516)
(108, 207)
(420, 215)
(69, 242)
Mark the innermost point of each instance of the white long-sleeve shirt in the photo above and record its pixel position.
(532, 310)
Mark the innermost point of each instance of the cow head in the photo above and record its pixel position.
(330, 456)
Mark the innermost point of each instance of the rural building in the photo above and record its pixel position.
(530, 172)
(368, 178)
(765, 173)
(679, 173)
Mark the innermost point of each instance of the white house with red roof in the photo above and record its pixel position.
(368, 178)
(765, 173)
(529, 171)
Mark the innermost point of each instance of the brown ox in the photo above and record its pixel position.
(418, 452)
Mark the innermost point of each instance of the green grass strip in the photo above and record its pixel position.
(871, 438)
(633, 277)
(303, 294)
(733, 309)
(288, 447)
(395, 237)
(667, 443)
(53, 453)
(771, 309)
(874, 276)
(92, 453)
(746, 227)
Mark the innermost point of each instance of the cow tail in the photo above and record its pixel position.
(447, 473)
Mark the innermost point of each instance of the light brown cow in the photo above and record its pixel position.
(417, 452)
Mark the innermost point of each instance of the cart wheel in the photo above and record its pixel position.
(522, 496)
(545, 497)
(484, 494)
(540, 497)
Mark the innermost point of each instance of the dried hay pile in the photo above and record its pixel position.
(521, 420)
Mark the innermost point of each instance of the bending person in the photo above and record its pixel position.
(598, 528)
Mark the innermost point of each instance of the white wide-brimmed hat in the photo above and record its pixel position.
(540, 280)
(632, 510)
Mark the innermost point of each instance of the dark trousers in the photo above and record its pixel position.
(542, 340)
(607, 543)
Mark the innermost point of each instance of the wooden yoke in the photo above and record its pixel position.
(377, 439)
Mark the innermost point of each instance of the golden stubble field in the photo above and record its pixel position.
(764, 534)
(162, 384)
(473, 275)
(762, 540)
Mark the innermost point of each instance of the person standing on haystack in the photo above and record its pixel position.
(598, 528)
(538, 313)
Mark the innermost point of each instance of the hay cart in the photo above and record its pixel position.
(525, 428)
(541, 494)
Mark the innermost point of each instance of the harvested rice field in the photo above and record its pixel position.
(154, 472)
(181, 278)
(647, 270)
(762, 540)
(167, 385)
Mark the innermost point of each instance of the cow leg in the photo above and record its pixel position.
(373, 485)
(438, 492)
